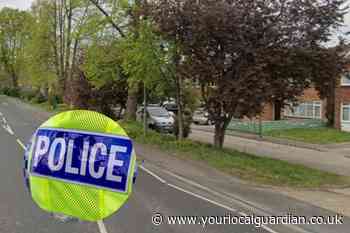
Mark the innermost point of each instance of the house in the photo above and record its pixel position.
(342, 104)
(310, 107)
(313, 107)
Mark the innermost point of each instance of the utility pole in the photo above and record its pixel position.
(145, 103)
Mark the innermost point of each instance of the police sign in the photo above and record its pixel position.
(82, 157)
(81, 164)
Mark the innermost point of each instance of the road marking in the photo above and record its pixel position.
(152, 174)
(101, 226)
(8, 129)
(21, 144)
(203, 198)
(197, 195)
(247, 204)
(6, 126)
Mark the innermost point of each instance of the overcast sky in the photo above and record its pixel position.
(25, 4)
(21, 4)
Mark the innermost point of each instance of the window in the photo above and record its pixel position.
(311, 110)
(346, 112)
(345, 80)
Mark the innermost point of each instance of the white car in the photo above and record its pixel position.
(201, 117)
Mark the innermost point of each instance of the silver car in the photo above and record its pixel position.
(201, 117)
(158, 118)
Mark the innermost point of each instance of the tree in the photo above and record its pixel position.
(133, 89)
(71, 22)
(144, 59)
(173, 37)
(253, 51)
(328, 65)
(38, 51)
(103, 70)
(13, 35)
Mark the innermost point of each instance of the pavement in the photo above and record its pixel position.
(165, 185)
(333, 159)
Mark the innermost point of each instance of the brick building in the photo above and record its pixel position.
(342, 104)
(312, 107)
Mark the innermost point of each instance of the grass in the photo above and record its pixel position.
(46, 106)
(312, 135)
(248, 167)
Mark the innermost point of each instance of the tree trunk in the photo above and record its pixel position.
(131, 104)
(145, 103)
(14, 81)
(330, 108)
(180, 121)
(220, 129)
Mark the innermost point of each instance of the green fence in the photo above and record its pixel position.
(256, 127)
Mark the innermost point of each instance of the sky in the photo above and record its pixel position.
(20, 4)
(25, 4)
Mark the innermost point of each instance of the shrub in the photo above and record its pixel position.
(14, 92)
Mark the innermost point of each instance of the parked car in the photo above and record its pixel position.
(119, 112)
(171, 107)
(158, 118)
(201, 117)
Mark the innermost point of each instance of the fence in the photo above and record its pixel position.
(257, 127)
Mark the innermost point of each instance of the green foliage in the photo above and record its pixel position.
(39, 55)
(246, 166)
(144, 58)
(102, 64)
(9, 91)
(13, 34)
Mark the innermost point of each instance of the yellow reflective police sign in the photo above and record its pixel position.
(81, 164)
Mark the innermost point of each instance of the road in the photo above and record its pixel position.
(154, 192)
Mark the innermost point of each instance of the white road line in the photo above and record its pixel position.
(152, 174)
(101, 226)
(190, 182)
(21, 144)
(245, 203)
(217, 204)
(203, 198)
(8, 129)
(6, 126)
(199, 196)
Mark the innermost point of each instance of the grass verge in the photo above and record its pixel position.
(246, 166)
(46, 106)
(312, 135)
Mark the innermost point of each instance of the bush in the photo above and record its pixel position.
(14, 92)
